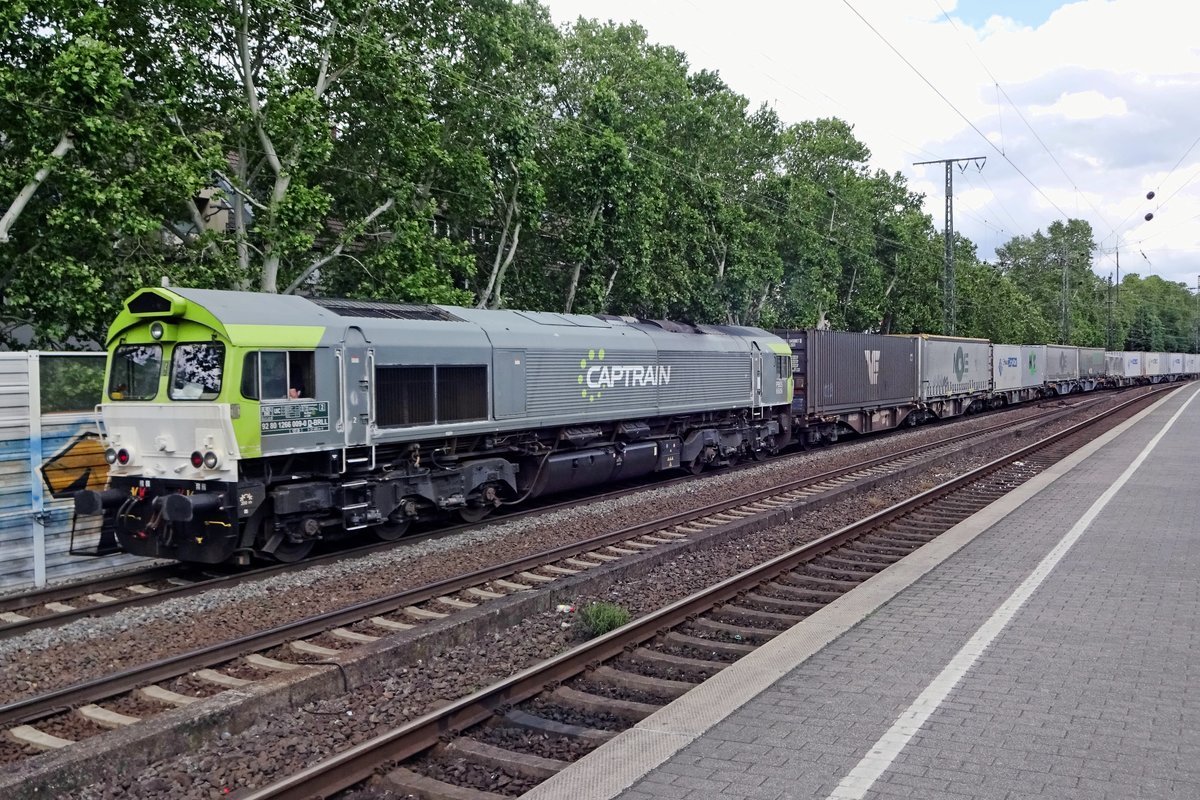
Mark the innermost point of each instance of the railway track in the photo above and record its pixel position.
(508, 737)
(51, 720)
(57, 606)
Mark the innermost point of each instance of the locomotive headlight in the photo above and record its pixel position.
(197, 459)
(211, 460)
(123, 456)
(157, 330)
(110, 455)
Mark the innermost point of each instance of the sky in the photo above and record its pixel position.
(1081, 108)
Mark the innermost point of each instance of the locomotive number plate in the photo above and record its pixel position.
(310, 417)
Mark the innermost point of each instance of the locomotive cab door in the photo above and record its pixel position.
(356, 385)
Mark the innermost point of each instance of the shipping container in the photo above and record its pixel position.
(1191, 363)
(954, 367)
(1176, 364)
(1017, 366)
(1156, 365)
(1124, 364)
(1062, 363)
(852, 371)
(1091, 362)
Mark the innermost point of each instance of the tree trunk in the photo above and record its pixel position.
(612, 278)
(485, 296)
(595, 212)
(512, 251)
(574, 285)
(239, 223)
(281, 168)
(65, 144)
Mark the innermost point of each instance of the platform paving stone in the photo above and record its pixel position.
(1092, 691)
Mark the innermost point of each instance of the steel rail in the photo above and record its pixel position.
(55, 701)
(21, 602)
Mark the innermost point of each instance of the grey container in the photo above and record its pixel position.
(855, 371)
(1091, 362)
(1062, 362)
(953, 367)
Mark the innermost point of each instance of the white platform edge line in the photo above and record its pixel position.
(619, 763)
(883, 753)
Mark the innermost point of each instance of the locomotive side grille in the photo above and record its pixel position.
(461, 393)
(404, 396)
(411, 395)
(364, 308)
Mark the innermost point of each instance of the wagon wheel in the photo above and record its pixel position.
(473, 514)
(392, 530)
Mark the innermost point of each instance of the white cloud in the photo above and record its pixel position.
(1111, 87)
(1089, 104)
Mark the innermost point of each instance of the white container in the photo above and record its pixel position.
(1017, 366)
(1156, 364)
(1124, 364)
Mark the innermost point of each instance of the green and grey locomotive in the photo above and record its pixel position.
(240, 425)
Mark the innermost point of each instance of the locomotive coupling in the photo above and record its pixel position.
(182, 507)
(89, 501)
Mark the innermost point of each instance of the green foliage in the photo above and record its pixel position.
(597, 619)
(470, 152)
(70, 383)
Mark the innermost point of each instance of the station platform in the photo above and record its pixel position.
(1048, 646)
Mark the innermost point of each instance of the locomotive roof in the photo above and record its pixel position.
(255, 308)
(258, 308)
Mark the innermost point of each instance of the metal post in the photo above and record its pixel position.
(1108, 304)
(1065, 334)
(949, 302)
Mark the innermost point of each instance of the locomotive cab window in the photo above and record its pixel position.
(278, 375)
(135, 372)
(196, 369)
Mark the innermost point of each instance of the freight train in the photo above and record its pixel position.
(240, 425)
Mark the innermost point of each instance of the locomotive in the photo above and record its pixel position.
(240, 425)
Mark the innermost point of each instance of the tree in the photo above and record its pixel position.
(93, 174)
(1037, 263)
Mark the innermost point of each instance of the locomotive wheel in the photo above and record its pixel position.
(473, 514)
(697, 466)
(291, 552)
(389, 531)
